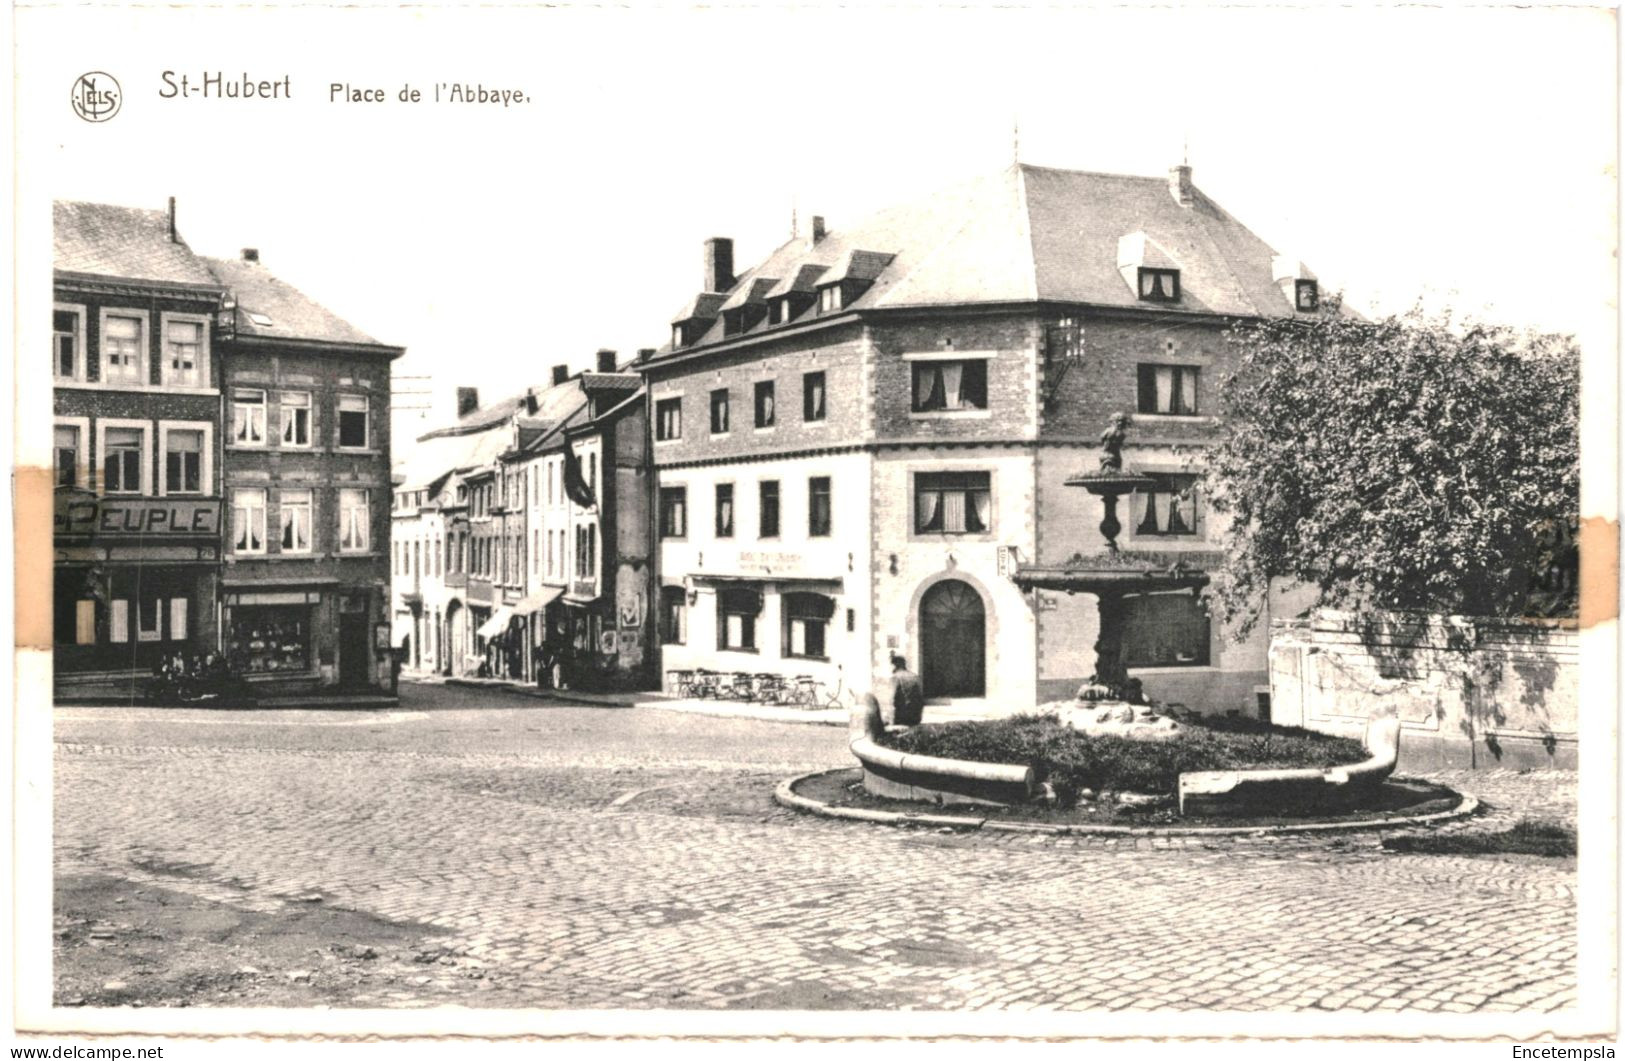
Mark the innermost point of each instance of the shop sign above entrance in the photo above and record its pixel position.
(80, 514)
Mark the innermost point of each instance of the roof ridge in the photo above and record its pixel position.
(1022, 207)
(1090, 172)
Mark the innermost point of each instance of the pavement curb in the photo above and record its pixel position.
(683, 707)
(786, 796)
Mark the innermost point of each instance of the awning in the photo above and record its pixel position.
(496, 624)
(537, 601)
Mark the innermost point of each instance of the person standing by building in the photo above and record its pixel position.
(908, 695)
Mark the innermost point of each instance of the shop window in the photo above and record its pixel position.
(673, 615)
(818, 507)
(183, 462)
(719, 412)
(248, 521)
(1167, 508)
(185, 355)
(812, 397)
(296, 520)
(1165, 630)
(950, 386)
(352, 421)
(296, 418)
(1169, 390)
(674, 512)
(73, 616)
(737, 610)
(806, 622)
(248, 418)
(668, 419)
(178, 607)
(65, 449)
(149, 624)
(725, 510)
(67, 340)
(766, 413)
(953, 503)
(767, 509)
(122, 460)
(118, 621)
(123, 339)
(270, 638)
(1159, 285)
(354, 526)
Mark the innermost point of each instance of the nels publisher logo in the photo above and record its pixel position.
(96, 96)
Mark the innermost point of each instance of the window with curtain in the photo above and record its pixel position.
(296, 521)
(121, 460)
(122, 340)
(719, 412)
(806, 622)
(668, 420)
(673, 512)
(818, 507)
(183, 462)
(947, 386)
(1170, 390)
(725, 510)
(673, 615)
(248, 521)
(737, 610)
(1159, 285)
(295, 418)
(812, 397)
(953, 503)
(1168, 508)
(765, 412)
(354, 527)
(248, 418)
(1165, 630)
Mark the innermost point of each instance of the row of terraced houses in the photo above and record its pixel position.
(847, 450)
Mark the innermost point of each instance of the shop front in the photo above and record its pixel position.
(301, 637)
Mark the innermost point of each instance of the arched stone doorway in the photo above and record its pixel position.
(953, 640)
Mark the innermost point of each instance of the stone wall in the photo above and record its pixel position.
(1469, 691)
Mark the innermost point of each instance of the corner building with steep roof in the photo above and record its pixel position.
(860, 439)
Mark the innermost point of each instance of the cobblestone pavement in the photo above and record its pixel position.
(634, 858)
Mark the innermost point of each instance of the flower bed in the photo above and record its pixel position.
(1071, 762)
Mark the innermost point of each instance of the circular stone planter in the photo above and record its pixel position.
(787, 796)
(894, 774)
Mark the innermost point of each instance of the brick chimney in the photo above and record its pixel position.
(251, 254)
(468, 399)
(719, 264)
(174, 235)
(606, 361)
(1179, 185)
(817, 229)
(645, 353)
(560, 374)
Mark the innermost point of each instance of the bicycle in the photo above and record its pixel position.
(810, 694)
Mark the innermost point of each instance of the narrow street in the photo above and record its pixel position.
(481, 849)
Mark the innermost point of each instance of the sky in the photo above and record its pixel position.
(1462, 157)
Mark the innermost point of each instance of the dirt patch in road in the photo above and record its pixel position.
(119, 943)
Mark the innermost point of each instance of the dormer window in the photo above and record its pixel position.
(779, 311)
(1308, 295)
(829, 298)
(1159, 285)
(676, 335)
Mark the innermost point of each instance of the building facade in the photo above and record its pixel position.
(858, 442)
(136, 448)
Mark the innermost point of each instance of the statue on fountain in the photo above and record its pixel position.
(1111, 444)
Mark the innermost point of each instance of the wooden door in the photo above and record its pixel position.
(953, 641)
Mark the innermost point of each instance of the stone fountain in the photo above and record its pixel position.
(1110, 697)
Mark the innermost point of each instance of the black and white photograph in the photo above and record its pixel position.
(808, 521)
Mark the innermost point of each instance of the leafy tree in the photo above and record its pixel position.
(1412, 463)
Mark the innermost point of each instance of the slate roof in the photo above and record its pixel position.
(290, 312)
(124, 243)
(1030, 234)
